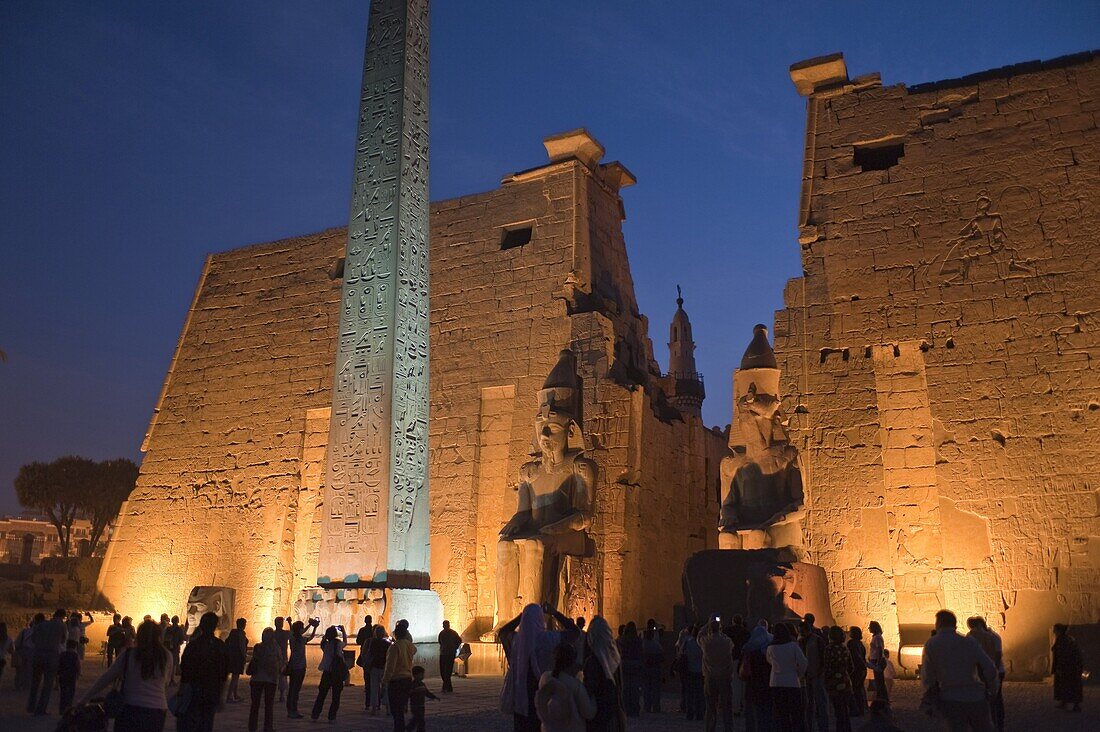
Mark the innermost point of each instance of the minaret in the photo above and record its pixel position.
(686, 384)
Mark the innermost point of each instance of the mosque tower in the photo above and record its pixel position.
(686, 390)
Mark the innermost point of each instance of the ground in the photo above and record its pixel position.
(473, 708)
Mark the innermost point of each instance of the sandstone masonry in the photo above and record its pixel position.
(939, 353)
(229, 492)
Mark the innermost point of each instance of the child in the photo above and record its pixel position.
(417, 695)
(68, 671)
(889, 673)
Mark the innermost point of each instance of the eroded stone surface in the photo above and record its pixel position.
(938, 356)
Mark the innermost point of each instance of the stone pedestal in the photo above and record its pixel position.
(422, 608)
(754, 583)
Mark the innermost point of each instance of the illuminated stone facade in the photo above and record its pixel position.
(229, 492)
(939, 354)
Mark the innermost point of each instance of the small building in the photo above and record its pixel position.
(28, 539)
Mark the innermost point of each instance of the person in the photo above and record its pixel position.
(581, 640)
(334, 671)
(738, 634)
(653, 661)
(114, 640)
(529, 648)
(603, 678)
(690, 668)
(876, 661)
(377, 651)
(282, 642)
(397, 676)
(816, 701)
(449, 643)
(562, 702)
(127, 634)
(296, 664)
(859, 671)
(836, 674)
(75, 630)
(717, 675)
(890, 674)
(630, 650)
(678, 661)
(24, 653)
(203, 669)
(7, 648)
(756, 673)
(174, 636)
(362, 641)
(991, 644)
(1067, 665)
(264, 670)
(418, 693)
(462, 662)
(957, 670)
(68, 671)
(49, 638)
(236, 646)
(144, 672)
(165, 623)
(788, 666)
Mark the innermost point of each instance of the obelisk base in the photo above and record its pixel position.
(422, 608)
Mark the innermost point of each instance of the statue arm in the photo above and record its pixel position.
(731, 494)
(521, 519)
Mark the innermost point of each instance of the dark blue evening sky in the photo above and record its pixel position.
(135, 137)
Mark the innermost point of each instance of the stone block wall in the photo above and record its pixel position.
(939, 354)
(230, 488)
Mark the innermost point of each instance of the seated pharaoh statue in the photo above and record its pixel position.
(761, 480)
(555, 501)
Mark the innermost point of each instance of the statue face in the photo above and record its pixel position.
(552, 432)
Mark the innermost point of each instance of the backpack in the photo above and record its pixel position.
(339, 668)
(554, 703)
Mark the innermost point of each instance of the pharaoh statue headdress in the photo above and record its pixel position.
(561, 399)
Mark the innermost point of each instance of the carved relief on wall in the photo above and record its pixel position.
(982, 239)
(377, 458)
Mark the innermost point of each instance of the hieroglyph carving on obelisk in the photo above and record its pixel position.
(375, 525)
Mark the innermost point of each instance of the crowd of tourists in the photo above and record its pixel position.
(790, 676)
(163, 668)
(563, 675)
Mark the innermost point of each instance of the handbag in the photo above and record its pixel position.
(181, 700)
(115, 699)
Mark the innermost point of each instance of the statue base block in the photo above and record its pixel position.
(422, 608)
(754, 583)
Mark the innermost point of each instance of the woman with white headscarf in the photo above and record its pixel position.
(529, 647)
(603, 678)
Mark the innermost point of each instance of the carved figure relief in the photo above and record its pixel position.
(983, 237)
(555, 499)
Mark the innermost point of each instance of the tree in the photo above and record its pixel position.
(57, 489)
(101, 503)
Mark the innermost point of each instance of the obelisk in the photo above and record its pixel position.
(375, 526)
